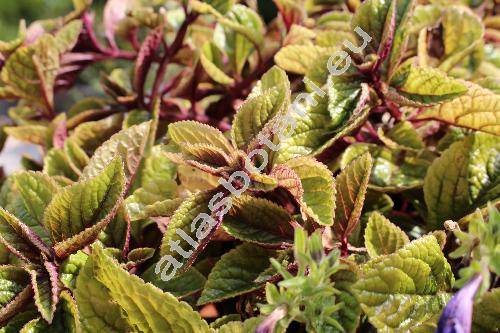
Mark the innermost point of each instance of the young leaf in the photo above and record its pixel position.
(477, 109)
(212, 61)
(45, 284)
(371, 17)
(351, 185)
(268, 100)
(235, 272)
(192, 132)
(147, 308)
(405, 289)
(382, 237)
(66, 319)
(79, 212)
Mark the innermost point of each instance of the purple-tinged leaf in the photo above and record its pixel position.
(16, 305)
(45, 283)
(457, 315)
(144, 60)
(78, 213)
(20, 239)
(387, 37)
(60, 134)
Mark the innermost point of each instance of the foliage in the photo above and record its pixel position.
(311, 165)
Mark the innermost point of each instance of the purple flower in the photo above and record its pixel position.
(268, 325)
(457, 315)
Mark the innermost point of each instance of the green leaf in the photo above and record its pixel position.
(268, 100)
(45, 286)
(19, 302)
(477, 109)
(300, 59)
(240, 34)
(394, 170)
(77, 157)
(97, 310)
(317, 193)
(12, 281)
(349, 314)
(147, 308)
(405, 289)
(423, 86)
(20, 239)
(71, 267)
(67, 36)
(14, 204)
(222, 6)
(465, 177)
(36, 190)
(91, 134)
(424, 16)
(30, 71)
(56, 163)
(183, 285)
(193, 132)
(249, 325)
(371, 17)
(36, 134)
(462, 33)
(404, 14)
(344, 92)
(157, 186)
(235, 272)
(382, 237)
(185, 219)
(486, 317)
(66, 319)
(317, 131)
(129, 144)
(16, 323)
(259, 221)
(402, 135)
(79, 212)
(351, 186)
(212, 61)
